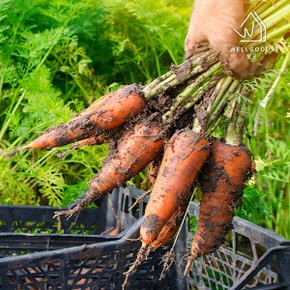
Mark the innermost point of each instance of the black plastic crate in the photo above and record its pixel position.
(28, 229)
(86, 266)
(263, 262)
(254, 258)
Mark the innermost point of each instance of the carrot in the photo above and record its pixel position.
(183, 158)
(136, 149)
(170, 228)
(222, 184)
(153, 169)
(93, 140)
(112, 111)
(62, 134)
(92, 107)
(118, 108)
(107, 98)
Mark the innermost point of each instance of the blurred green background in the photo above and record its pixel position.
(56, 57)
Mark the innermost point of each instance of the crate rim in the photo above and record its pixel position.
(240, 224)
(129, 233)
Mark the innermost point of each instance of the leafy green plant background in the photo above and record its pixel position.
(57, 56)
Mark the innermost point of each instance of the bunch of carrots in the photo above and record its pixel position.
(168, 125)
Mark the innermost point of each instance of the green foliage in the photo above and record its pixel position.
(254, 207)
(44, 79)
(268, 133)
(57, 56)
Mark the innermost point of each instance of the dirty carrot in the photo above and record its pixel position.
(222, 182)
(136, 149)
(92, 107)
(153, 169)
(183, 157)
(93, 140)
(111, 112)
(118, 108)
(170, 228)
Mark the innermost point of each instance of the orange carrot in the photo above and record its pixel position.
(170, 228)
(63, 134)
(222, 183)
(136, 149)
(93, 140)
(183, 158)
(153, 169)
(118, 108)
(92, 107)
(112, 111)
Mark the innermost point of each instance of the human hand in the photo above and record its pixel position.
(214, 21)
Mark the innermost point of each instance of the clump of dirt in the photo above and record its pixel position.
(150, 222)
(182, 71)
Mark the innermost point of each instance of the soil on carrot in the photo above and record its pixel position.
(151, 223)
(147, 117)
(161, 103)
(132, 88)
(210, 181)
(81, 128)
(222, 182)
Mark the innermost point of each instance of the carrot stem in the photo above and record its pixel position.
(189, 90)
(172, 79)
(272, 8)
(235, 127)
(220, 103)
(283, 68)
(201, 93)
(193, 92)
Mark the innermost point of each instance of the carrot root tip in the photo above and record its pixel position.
(141, 256)
(78, 206)
(67, 213)
(14, 151)
(167, 260)
(188, 266)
